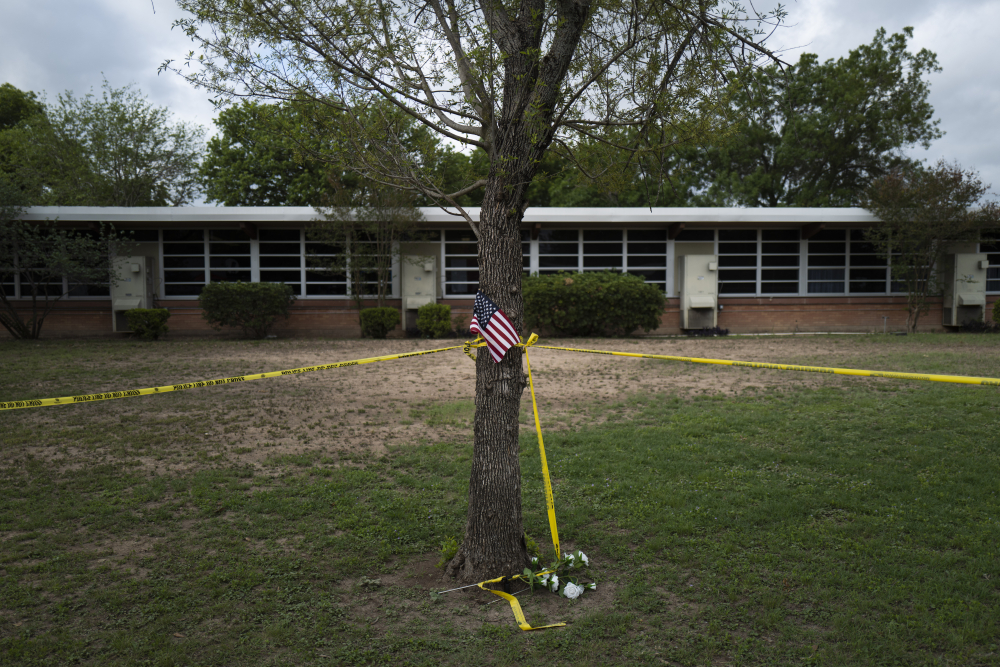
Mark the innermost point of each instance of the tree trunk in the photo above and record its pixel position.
(494, 543)
(494, 533)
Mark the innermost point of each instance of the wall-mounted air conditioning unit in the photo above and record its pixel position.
(699, 290)
(964, 279)
(134, 289)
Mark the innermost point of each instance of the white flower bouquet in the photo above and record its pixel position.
(571, 566)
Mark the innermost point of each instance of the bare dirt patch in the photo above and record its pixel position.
(325, 417)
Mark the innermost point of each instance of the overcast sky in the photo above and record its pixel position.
(58, 45)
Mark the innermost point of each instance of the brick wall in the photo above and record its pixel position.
(805, 314)
(339, 319)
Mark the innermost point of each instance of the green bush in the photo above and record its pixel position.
(252, 307)
(378, 322)
(434, 320)
(148, 323)
(996, 312)
(593, 303)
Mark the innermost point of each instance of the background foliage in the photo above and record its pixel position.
(252, 307)
(591, 303)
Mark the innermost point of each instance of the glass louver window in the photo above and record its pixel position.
(868, 271)
(183, 262)
(738, 261)
(602, 250)
(992, 251)
(827, 262)
(779, 261)
(646, 255)
(461, 262)
(280, 257)
(558, 250)
(228, 256)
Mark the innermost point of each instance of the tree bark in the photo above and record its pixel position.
(494, 542)
(494, 533)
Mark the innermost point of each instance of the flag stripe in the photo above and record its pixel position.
(490, 322)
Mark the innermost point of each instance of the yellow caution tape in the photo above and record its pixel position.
(469, 344)
(109, 395)
(515, 606)
(957, 379)
(549, 500)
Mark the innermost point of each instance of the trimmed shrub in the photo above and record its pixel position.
(252, 307)
(378, 322)
(593, 303)
(434, 320)
(996, 313)
(148, 323)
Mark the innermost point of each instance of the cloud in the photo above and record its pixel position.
(964, 94)
(57, 45)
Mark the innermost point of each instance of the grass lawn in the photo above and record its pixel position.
(848, 522)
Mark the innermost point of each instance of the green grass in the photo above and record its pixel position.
(851, 524)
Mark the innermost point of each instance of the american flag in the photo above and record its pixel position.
(490, 322)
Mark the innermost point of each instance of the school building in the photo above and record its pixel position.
(773, 270)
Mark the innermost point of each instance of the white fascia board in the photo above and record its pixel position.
(169, 214)
(711, 216)
(303, 214)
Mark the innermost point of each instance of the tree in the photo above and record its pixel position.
(269, 155)
(512, 79)
(254, 160)
(364, 228)
(825, 130)
(920, 213)
(17, 106)
(115, 150)
(43, 255)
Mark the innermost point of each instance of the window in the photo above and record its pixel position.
(229, 256)
(696, 235)
(183, 262)
(737, 261)
(321, 282)
(144, 235)
(779, 261)
(461, 260)
(558, 250)
(461, 263)
(992, 251)
(7, 282)
(868, 272)
(827, 262)
(602, 250)
(281, 257)
(647, 255)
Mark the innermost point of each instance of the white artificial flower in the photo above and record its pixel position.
(583, 557)
(543, 579)
(572, 591)
(554, 583)
(592, 587)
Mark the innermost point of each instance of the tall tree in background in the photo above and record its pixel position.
(825, 130)
(514, 79)
(114, 150)
(272, 155)
(258, 158)
(17, 105)
(920, 213)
